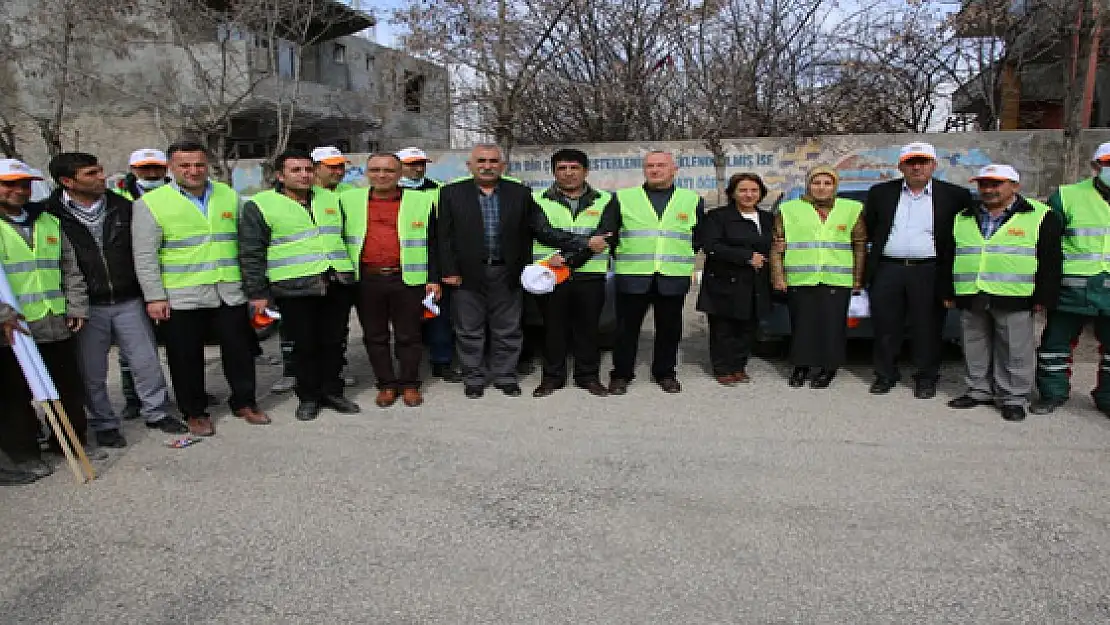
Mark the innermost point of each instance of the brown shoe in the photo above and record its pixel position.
(727, 380)
(741, 377)
(412, 397)
(386, 397)
(200, 426)
(595, 388)
(253, 416)
(545, 388)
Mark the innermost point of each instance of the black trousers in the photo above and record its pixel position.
(818, 325)
(386, 302)
(494, 311)
(185, 334)
(317, 328)
(19, 426)
(901, 293)
(730, 343)
(571, 314)
(631, 309)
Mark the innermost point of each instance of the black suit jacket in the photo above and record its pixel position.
(730, 286)
(461, 237)
(882, 203)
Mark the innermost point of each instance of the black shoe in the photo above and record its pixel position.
(925, 389)
(447, 373)
(967, 401)
(340, 404)
(36, 467)
(670, 385)
(593, 387)
(474, 392)
(130, 412)
(307, 411)
(798, 377)
(211, 399)
(882, 386)
(110, 438)
(525, 367)
(512, 390)
(546, 388)
(1046, 406)
(823, 378)
(618, 386)
(169, 425)
(15, 477)
(1013, 413)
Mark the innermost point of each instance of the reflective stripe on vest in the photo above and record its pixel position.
(35, 274)
(123, 193)
(298, 246)
(816, 252)
(1086, 240)
(650, 244)
(412, 230)
(1006, 263)
(196, 250)
(585, 224)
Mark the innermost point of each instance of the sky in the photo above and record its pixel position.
(386, 33)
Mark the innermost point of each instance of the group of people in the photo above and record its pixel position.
(440, 264)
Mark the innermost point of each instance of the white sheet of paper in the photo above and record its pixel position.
(430, 304)
(859, 306)
(27, 353)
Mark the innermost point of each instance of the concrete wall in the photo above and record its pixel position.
(862, 161)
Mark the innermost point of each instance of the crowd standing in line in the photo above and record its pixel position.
(169, 245)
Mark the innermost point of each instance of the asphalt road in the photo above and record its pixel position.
(755, 504)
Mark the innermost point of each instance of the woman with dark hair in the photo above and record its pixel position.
(820, 248)
(735, 288)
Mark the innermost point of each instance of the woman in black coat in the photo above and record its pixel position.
(735, 287)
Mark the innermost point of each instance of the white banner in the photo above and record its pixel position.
(27, 353)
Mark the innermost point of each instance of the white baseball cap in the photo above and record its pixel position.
(328, 155)
(412, 155)
(12, 170)
(1102, 153)
(537, 279)
(916, 150)
(147, 156)
(997, 172)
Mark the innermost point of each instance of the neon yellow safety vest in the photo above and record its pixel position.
(302, 245)
(1006, 263)
(35, 274)
(197, 250)
(343, 187)
(650, 244)
(412, 230)
(123, 192)
(816, 252)
(1086, 240)
(585, 223)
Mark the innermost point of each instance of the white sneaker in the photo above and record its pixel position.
(284, 385)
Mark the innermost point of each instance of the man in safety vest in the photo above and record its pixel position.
(439, 337)
(291, 251)
(654, 262)
(148, 172)
(1084, 210)
(41, 268)
(330, 167)
(389, 232)
(573, 310)
(1005, 266)
(185, 239)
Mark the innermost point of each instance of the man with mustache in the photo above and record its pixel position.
(1005, 265)
(486, 225)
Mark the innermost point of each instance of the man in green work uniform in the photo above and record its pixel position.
(1084, 209)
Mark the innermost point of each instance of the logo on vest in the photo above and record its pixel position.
(329, 211)
(1015, 232)
(593, 213)
(417, 224)
(228, 215)
(842, 227)
(52, 240)
(683, 216)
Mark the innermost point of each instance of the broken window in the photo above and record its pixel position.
(414, 91)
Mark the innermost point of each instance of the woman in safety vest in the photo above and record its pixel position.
(818, 260)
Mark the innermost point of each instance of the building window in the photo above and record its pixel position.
(373, 146)
(369, 63)
(339, 54)
(414, 91)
